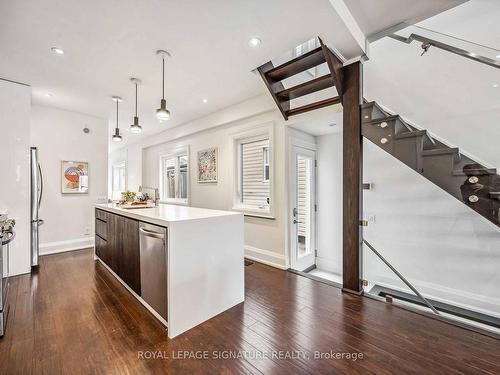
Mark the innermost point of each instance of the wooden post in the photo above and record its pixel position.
(352, 179)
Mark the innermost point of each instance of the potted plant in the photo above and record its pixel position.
(128, 196)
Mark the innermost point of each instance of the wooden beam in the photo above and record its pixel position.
(274, 87)
(352, 178)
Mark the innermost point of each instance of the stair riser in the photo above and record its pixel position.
(438, 168)
(371, 113)
(409, 151)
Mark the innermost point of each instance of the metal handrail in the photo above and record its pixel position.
(447, 47)
(414, 290)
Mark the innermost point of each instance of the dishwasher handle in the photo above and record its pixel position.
(152, 234)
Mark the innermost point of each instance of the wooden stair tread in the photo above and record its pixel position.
(313, 106)
(440, 151)
(306, 88)
(299, 64)
(416, 133)
(382, 119)
(478, 172)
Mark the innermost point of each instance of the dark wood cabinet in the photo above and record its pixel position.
(118, 246)
(129, 263)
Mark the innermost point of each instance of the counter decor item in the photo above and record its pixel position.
(128, 196)
(74, 177)
(207, 165)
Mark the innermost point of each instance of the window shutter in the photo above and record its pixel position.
(255, 190)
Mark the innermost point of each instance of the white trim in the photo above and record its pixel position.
(175, 152)
(68, 245)
(350, 23)
(253, 133)
(144, 303)
(267, 257)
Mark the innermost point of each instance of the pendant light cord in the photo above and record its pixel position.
(136, 99)
(163, 80)
(117, 126)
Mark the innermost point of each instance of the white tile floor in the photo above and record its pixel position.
(327, 275)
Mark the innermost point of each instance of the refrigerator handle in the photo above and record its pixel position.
(41, 186)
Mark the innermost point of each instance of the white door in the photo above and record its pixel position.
(303, 213)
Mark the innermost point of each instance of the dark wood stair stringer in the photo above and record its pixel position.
(273, 77)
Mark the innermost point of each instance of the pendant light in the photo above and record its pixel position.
(162, 113)
(116, 136)
(135, 127)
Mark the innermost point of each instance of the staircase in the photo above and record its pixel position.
(468, 181)
(273, 78)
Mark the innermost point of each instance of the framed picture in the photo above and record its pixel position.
(207, 165)
(74, 177)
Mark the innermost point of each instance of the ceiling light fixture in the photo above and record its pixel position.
(162, 113)
(116, 136)
(495, 85)
(57, 50)
(498, 56)
(48, 95)
(135, 127)
(254, 42)
(205, 100)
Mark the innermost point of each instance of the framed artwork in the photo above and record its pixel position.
(207, 165)
(74, 177)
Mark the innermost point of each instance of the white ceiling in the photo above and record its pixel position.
(374, 16)
(106, 42)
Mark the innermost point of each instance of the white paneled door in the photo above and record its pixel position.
(303, 189)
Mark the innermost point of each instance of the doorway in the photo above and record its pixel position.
(315, 159)
(303, 199)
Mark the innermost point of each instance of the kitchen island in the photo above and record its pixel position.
(184, 264)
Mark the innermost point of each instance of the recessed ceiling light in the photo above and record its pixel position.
(57, 50)
(495, 85)
(49, 95)
(205, 100)
(498, 56)
(254, 42)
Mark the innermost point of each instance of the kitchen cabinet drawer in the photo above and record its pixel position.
(101, 215)
(101, 229)
(117, 245)
(102, 249)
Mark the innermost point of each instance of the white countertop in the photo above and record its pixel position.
(165, 213)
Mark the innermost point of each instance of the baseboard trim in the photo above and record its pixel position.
(68, 245)
(131, 291)
(269, 258)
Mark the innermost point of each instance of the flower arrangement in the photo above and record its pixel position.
(128, 195)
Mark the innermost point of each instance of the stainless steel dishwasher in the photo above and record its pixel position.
(153, 258)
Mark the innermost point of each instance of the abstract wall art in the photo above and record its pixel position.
(74, 177)
(207, 165)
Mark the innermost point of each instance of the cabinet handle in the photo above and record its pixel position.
(152, 234)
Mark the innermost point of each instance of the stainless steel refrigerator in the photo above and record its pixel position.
(36, 200)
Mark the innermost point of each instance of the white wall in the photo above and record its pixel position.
(329, 198)
(450, 96)
(58, 134)
(264, 238)
(15, 104)
(443, 247)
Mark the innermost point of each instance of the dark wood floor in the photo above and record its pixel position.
(73, 317)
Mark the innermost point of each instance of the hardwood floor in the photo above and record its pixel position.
(73, 317)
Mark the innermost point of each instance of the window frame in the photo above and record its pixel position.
(258, 133)
(178, 152)
(118, 164)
